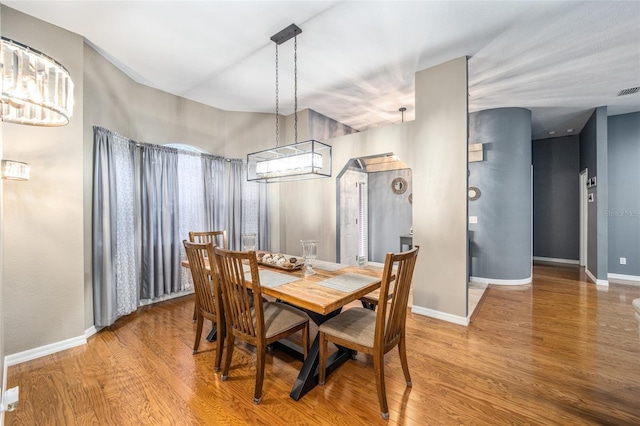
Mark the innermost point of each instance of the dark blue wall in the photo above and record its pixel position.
(624, 193)
(501, 242)
(556, 198)
(593, 155)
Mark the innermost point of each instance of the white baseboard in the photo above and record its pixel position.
(91, 331)
(496, 281)
(556, 260)
(45, 350)
(595, 280)
(145, 302)
(628, 279)
(440, 315)
(4, 377)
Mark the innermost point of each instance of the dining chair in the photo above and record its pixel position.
(259, 324)
(218, 238)
(376, 332)
(208, 294)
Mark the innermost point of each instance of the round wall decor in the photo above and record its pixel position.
(399, 185)
(474, 193)
(411, 198)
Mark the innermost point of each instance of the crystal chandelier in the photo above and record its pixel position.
(297, 161)
(36, 89)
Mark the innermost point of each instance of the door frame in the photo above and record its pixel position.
(584, 216)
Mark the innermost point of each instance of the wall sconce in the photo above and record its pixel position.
(15, 170)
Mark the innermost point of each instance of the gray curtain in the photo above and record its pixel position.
(233, 193)
(115, 267)
(160, 222)
(214, 198)
(141, 216)
(223, 196)
(255, 211)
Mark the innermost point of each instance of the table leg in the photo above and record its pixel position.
(308, 376)
(211, 337)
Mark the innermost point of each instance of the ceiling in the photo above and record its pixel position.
(357, 59)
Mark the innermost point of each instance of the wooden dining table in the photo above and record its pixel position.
(321, 302)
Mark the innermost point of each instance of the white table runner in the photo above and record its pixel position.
(327, 266)
(348, 282)
(272, 279)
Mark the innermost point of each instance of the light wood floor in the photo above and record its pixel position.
(559, 351)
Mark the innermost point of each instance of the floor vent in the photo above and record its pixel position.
(629, 91)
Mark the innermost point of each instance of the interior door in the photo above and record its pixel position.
(349, 212)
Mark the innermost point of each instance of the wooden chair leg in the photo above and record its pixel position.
(322, 367)
(261, 358)
(220, 338)
(378, 366)
(227, 361)
(195, 311)
(199, 320)
(402, 349)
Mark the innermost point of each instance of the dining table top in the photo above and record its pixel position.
(310, 293)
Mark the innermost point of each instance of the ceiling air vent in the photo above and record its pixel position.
(630, 91)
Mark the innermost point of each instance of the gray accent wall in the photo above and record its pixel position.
(556, 198)
(593, 155)
(624, 194)
(389, 213)
(501, 240)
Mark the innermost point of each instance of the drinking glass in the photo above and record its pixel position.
(309, 253)
(248, 242)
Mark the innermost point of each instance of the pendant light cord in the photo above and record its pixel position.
(295, 86)
(277, 109)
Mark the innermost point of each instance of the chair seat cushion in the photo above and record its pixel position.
(279, 317)
(356, 325)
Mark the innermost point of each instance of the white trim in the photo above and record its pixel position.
(145, 302)
(45, 350)
(440, 315)
(583, 239)
(556, 260)
(91, 331)
(496, 281)
(634, 279)
(595, 280)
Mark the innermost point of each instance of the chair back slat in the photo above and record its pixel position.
(391, 318)
(205, 283)
(242, 315)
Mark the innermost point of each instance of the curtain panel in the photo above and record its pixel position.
(160, 222)
(115, 268)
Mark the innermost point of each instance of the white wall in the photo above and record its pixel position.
(42, 230)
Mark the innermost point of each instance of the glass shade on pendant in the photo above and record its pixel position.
(36, 89)
(15, 170)
(298, 161)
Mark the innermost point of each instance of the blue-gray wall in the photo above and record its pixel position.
(501, 243)
(390, 214)
(624, 194)
(593, 155)
(556, 198)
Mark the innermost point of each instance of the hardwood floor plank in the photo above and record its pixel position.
(560, 351)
